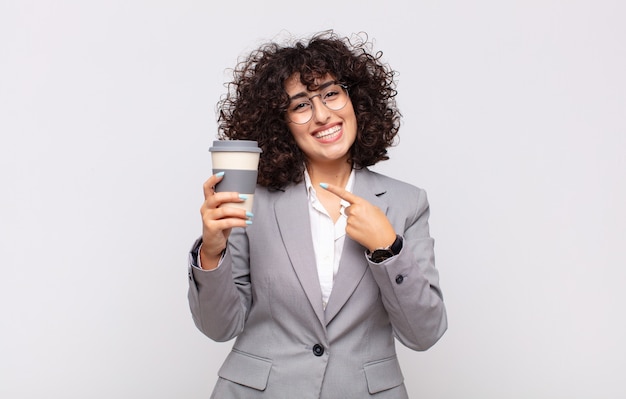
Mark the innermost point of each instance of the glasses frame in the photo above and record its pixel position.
(345, 89)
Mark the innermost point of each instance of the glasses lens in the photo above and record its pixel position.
(334, 97)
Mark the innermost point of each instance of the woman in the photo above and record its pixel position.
(335, 260)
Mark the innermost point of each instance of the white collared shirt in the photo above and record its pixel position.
(328, 237)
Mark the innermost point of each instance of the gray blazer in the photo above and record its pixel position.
(266, 293)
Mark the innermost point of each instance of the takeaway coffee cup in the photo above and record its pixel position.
(239, 160)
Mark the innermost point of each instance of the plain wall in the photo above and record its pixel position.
(514, 123)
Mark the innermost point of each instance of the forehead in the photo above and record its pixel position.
(294, 85)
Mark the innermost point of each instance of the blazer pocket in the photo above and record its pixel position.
(245, 369)
(383, 374)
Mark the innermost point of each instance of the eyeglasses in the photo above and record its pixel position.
(333, 95)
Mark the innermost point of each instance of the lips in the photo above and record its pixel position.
(328, 134)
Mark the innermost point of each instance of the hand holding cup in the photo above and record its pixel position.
(218, 221)
(228, 195)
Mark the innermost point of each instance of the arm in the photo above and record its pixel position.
(408, 281)
(218, 297)
(409, 284)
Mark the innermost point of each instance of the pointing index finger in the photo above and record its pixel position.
(209, 185)
(340, 192)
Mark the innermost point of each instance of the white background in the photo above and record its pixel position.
(514, 122)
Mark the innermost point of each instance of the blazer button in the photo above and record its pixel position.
(399, 279)
(318, 350)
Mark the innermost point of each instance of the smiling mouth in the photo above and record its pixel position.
(328, 134)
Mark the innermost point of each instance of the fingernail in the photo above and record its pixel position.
(324, 185)
(250, 214)
(243, 196)
(219, 174)
(248, 222)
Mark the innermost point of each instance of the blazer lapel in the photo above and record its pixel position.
(292, 215)
(353, 264)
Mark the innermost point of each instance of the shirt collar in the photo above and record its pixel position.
(311, 190)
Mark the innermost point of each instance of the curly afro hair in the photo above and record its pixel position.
(254, 106)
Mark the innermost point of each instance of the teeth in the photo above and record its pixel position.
(328, 132)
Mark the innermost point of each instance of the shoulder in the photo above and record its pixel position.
(274, 193)
(267, 197)
(390, 185)
(403, 202)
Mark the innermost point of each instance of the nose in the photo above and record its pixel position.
(321, 113)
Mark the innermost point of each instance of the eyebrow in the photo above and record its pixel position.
(306, 94)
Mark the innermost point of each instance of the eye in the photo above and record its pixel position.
(331, 94)
(299, 106)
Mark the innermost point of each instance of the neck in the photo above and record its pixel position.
(336, 174)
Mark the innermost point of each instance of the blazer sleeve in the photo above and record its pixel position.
(409, 281)
(220, 299)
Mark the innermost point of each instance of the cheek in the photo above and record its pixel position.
(350, 120)
(299, 135)
(349, 115)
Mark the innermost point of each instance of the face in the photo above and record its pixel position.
(328, 136)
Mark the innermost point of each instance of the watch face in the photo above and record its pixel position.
(381, 254)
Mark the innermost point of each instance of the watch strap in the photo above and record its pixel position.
(380, 254)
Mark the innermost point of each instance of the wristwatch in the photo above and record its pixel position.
(380, 254)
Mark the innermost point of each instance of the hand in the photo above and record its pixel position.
(217, 222)
(366, 224)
